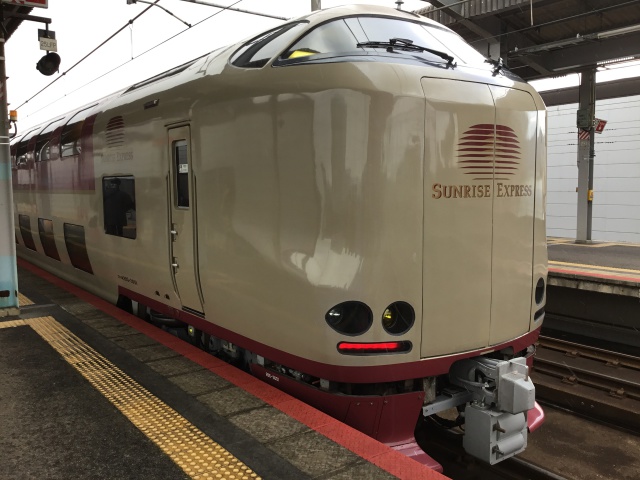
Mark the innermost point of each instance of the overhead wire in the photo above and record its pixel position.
(130, 60)
(130, 22)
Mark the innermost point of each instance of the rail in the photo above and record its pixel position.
(596, 383)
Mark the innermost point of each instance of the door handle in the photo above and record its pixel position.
(174, 233)
(174, 264)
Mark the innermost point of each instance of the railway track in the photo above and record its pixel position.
(590, 381)
(446, 447)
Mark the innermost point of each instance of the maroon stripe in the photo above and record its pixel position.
(477, 137)
(506, 135)
(478, 132)
(475, 143)
(475, 161)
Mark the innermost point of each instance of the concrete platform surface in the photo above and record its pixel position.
(89, 391)
(604, 267)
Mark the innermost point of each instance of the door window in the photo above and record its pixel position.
(181, 163)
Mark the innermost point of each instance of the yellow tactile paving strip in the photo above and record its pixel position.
(23, 301)
(192, 450)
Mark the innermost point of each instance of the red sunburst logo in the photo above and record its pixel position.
(485, 151)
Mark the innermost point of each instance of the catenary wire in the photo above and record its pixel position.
(125, 63)
(130, 22)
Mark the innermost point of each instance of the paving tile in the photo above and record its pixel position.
(268, 424)
(313, 453)
(80, 309)
(99, 321)
(136, 340)
(154, 352)
(61, 297)
(230, 401)
(200, 382)
(305, 413)
(116, 331)
(174, 366)
(360, 471)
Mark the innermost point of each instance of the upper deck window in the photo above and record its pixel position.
(258, 51)
(70, 141)
(71, 133)
(42, 150)
(349, 36)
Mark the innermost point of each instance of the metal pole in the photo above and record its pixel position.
(315, 5)
(586, 154)
(8, 269)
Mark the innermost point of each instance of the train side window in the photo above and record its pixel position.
(25, 230)
(43, 141)
(21, 154)
(45, 228)
(43, 153)
(119, 205)
(181, 163)
(70, 139)
(258, 51)
(77, 247)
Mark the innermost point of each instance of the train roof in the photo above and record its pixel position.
(313, 19)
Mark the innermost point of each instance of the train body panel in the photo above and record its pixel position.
(294, 192)
(358, 222)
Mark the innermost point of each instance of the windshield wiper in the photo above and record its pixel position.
(406, 44)
(498, 65)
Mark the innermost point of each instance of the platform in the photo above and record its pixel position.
(604, 267)
(89, 391)
(593, 291)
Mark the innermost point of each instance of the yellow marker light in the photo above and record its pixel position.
(387, 319)
(301, 53)
(13, 115)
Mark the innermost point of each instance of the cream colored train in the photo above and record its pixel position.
(352, 205)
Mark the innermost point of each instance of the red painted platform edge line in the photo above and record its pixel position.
(391, 461)
(591, 274)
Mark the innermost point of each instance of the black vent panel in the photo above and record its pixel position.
(115, 132)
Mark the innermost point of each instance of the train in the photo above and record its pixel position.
(350, 205)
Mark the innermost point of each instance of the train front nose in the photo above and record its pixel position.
(479, 215)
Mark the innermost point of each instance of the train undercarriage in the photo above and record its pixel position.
(491, 398)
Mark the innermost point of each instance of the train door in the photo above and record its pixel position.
(513, 213)
(182, 224)
(458, 215)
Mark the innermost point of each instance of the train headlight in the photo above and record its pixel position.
(350, 318)
(398, 318)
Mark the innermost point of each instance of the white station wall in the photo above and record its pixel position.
(616, 203)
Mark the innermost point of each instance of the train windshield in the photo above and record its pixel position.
(363, 34)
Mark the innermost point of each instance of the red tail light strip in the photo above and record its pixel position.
(352, 348)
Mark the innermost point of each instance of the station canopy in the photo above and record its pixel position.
(545, 38)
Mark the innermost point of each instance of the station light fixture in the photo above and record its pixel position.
(49, 64)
